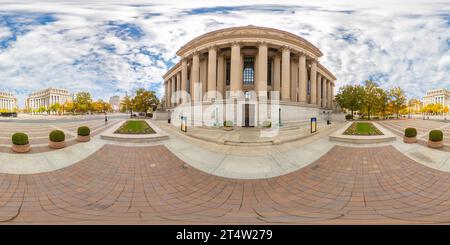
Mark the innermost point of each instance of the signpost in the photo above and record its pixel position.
(184, 124)
(313, 124)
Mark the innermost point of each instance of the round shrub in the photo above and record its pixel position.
(57, 136)
(267, 124)
(436, 135)
(228, 123)
(410, 132)
(83, 131)
(19, 139)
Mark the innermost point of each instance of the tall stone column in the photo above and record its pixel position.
(220, 75)
(178, 86)
(262, 69)
(276, 73)
(332, 95)
(302, 86)
(184, 73)
(174, 89)
(313, 82)
(212, 69)
(319, 89)
(195, 76)
(167, 93)
(285, 74)
(235, 83)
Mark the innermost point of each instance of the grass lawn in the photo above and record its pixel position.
(362, 128)
(135, 127)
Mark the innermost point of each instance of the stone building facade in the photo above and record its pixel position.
(8, 102)
(46, 98)
(250, 63)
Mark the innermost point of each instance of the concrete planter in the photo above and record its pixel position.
(435, 144)
(56, 145)
(83, 138)
(227, 128)
(409, 140)
(21, 148)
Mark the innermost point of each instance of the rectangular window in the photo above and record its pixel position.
(269, 72)
(249, 70)
(228, 72)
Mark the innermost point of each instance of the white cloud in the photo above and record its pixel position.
(404, 43)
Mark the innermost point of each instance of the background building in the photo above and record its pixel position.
(248, 59)
(46, 98)
(8, 102)
(115, 103)
(437, 96)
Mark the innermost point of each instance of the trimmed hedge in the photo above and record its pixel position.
(57, 136)
(410, 132)
(83, 131)
(228, 123)
(435, 135)
(19, 139)
(267, 124)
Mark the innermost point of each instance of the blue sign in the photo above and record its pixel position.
(313, 124)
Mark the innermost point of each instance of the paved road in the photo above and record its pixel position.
(149, 184)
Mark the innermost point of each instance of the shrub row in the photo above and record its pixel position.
(55, 136)
(434, 135)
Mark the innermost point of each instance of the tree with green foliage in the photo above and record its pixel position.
(82, 102)
(398, 99)
(144, 100)
(371, 97)
(350, 97)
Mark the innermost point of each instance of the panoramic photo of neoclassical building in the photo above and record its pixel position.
(255, 61)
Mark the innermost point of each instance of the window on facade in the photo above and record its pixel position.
(228, 72)
(249, 70)
(269, 72)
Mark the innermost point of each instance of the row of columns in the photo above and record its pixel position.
(8, 104)
(321, 88)
(45, 101)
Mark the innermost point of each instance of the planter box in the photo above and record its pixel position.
(409, 140)
(227, 128)
(56, 145)
(21, 148)
(435, 144)
(83, 138)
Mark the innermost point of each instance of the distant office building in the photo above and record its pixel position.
(8, 101)
(115, 103)
(46, 98)
(415, 106)
(437, 96)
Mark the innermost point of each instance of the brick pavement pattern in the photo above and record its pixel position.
(423, 128)
(149, 184)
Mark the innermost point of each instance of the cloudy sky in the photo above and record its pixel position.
(109, 47)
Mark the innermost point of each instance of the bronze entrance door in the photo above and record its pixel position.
(249, 115)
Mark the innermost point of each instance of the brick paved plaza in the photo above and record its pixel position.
(423, 128)
(150, 185)
(120, 184)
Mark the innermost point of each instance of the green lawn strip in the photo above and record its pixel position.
(362, 128)
(135, 127)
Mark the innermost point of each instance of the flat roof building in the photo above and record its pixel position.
(252, 61)
(437, 96)
(46, 98)
(8, 102)
(115, 102)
